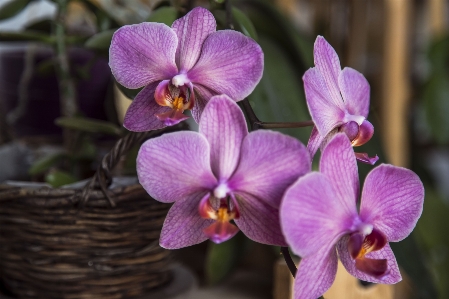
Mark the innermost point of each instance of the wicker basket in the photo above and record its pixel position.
(91, 242)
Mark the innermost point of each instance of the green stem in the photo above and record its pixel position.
(67, 89)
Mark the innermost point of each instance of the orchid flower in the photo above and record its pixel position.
(220, 174)
(319, 218)
(338, 101)
(181, 67)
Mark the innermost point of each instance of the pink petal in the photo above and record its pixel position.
(392, 201)
(270, 162)
(141, 114)
(311, 217)
(183, 225)
(202, 96)
(220, 231)
(339, 165)
(258, 220)
(366, 131)
(316, 273)
(351, 129)
(171, 118)
(314, 143)
(143, 53)
(224, 126)
(324, 112)
(363, 157)
(174, 166)
(230, 63)
(192, 30)
(328, 64)
(355, 91)
(393, 274)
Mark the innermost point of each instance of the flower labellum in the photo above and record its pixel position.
(338, 101)
(219, 175)
(181, 67)
(319, 218)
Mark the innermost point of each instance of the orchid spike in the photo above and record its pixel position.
(319, 218)
(338, 101)
(220, 174)
(181, 67)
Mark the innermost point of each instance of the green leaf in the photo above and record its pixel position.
(87, 150)
(60, 178)
(279, 97)
(222, 258)
(129, 93)
(436, 105)
(41, 25)
(431, 232)
(166, 15)
(26, 36)
(45, 163)
(88, 125)
(100, 41)
(439, 54)
(243, 23)
(12, 8)
(273, 24)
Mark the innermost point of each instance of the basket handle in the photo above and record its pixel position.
(102, 177)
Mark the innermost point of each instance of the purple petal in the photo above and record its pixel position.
(183, 225)
(316, 273)
(325, 114)
(366, 131)
(221, 231)
(143, 53)
(393, 274)
(339, 165)
(192, 30)
(202, 96)
(392, 201)
(258, 220)
(314, 143)
(269, 163)
(363, 157)
(355, 91)
(311, 218)
(328, 64)
(141, 114)
(224, 126)
(230, 63)
(173, 166)
(351, 129)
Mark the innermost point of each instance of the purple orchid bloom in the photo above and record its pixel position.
(338, 101)
(181, 67)
(319, 218)
(220, 174)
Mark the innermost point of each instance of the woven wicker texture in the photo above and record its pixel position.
(96, 242)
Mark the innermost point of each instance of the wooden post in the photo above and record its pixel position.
(395, 85)
(437, 17)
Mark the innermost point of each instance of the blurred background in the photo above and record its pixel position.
(61, 111)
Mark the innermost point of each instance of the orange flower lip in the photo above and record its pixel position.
(221, 230)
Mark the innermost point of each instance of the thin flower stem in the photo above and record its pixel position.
(252, 117)
(289, 261)
(228, 7)
(285, 125)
